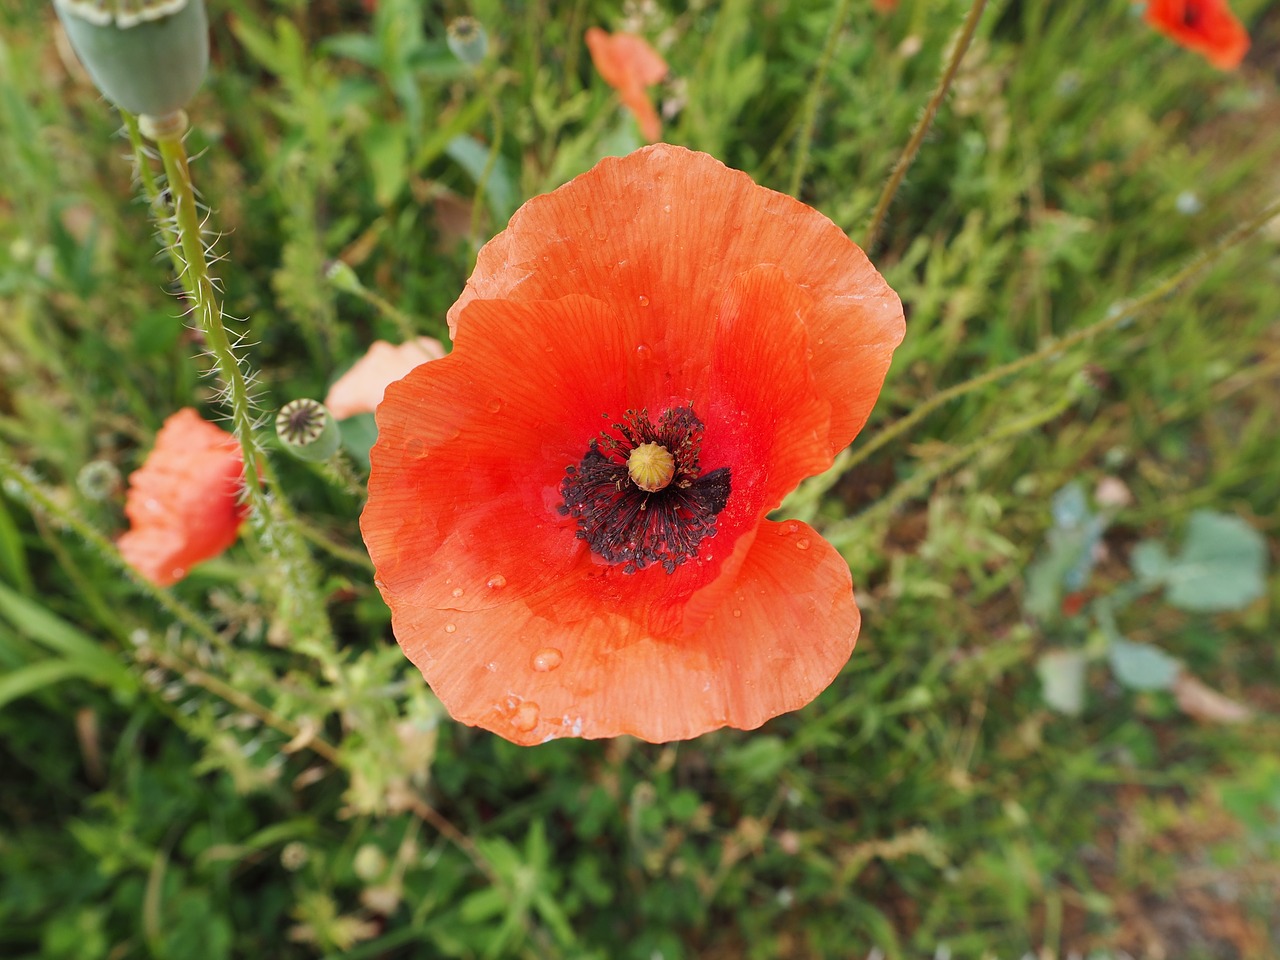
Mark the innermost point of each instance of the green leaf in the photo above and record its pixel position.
(36, 676)
(1061, 674)
(1222, 565)
(500, 190)
(1140, 666)
(54, 633)
(13, 556)
(1150, 561)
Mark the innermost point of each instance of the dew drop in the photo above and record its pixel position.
(547, 659)
(526, 716)
(666, 208)
(644, 301)
(788, 528)
(644, 352)
(457, 592)
(415, 449)
(737, 612)
(449, 628)
(496, 581)
(802, 543)
(492, 666)
(494, 405)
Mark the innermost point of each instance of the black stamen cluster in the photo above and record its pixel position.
(624, 524)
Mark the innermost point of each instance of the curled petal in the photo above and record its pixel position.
(184, 502)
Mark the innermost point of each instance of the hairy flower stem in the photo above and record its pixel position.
(803, 503)
(194, 275)
(814, 95)
(302, 606)
(909, 152)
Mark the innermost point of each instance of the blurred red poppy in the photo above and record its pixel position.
(629, 65)
(360, 389)
(184, 503)
(1206, 26)
(567, 513)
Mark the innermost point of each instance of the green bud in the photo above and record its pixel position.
(467, 41)
(146, 56)
(307, 430)
(340, 274)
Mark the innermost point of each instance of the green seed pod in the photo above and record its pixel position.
(307, 430)
(146, 56)
(467, 40)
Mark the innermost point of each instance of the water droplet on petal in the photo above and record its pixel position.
(494, 405)
(457, 592)
(644, 301)
(496, 581)
(547, 659)
(788, 528)
(526, 716)
(492, 666)
(802, 543)
(644, 352)
(415, 449)
(449, 628)
(737, 613)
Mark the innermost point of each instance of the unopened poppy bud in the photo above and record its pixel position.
(468, 41)
(98, 480)
(340, 274)
(307, 430)
(146, 56)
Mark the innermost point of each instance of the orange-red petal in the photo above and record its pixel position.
(772, 644)
(668, 230)
(1206, 26)
(360, 389)
(184, 502)
(628, 64)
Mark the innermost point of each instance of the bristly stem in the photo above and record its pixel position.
(194, 275)
(810, 110)
(804, 501)
(909, 152)
(302, 606)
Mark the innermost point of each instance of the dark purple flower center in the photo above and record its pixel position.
(624, 523)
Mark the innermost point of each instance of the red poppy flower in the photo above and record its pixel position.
(567, 513)
(629, 65)
(1206, 26)
(360, 389)
(184, 502)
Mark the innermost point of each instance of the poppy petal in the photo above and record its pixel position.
(1206, 26)
(628, 64)
(184, 502)
(360, 389)
(772, 645)
(668, 229)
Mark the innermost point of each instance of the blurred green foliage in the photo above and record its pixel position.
(164, 789)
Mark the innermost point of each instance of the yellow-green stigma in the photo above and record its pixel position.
(651, 467)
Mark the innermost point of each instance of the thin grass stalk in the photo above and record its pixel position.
(847, 531)
(908, 155)
(810, 110)
(803, 502)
